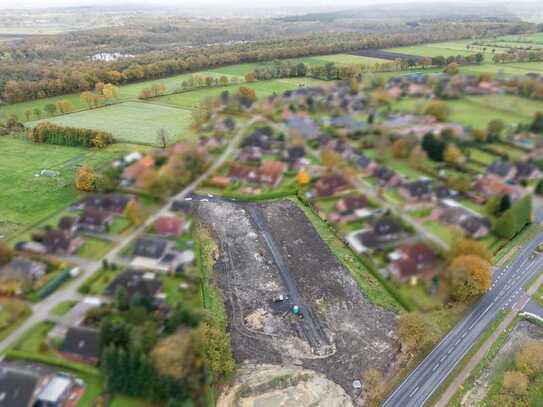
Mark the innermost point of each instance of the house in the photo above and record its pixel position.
(489, 186)
(386, 177)
(34, 385)
(23, 269)
(384, 232)
(114, 203)
(304, 126)
(250, 154)
(95, 220)
(350, 208)
(151, 247)
(145, 284)
(526, 171)
(417, 191)
(239, 172)
(271, 172)
(452, 213)
(61, 242)
(169, 226)
(68, 224)
(81, 345)
(502, 169)
(330, 185)
(133, 173)
(410, 260)
(292, 155)
(219, 181)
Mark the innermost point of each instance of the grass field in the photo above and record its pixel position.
(477, 111)
(518, 68)
(26, 199)
(445, 49)
(262, 89)
(134, 122)
(346, 59)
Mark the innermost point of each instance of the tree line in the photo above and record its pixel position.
(30, 80)
(49, 133)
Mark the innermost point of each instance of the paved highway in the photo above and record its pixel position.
(507, 289)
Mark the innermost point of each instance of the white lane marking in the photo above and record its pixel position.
(414, 391)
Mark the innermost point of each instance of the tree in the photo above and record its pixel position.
(453, 155)
(162, 138)
(415, 331)
(459, 182)
(434, 147)
(250, 77)
(86, 179)
(452, 69)
(121, 299)
(303, 178)
(330, 158)
(529, 359)
(50, 108)
(133, 212)
(480, 135)
(37, 113)
(470, 276)
(417, 157)
(88, 98)
(515, 218)
(5, 253)
(515, 382)
(214, 346)
(400, 148)
(537, 123)
(373, 384)
(173, 355)
(465, 246)
(496, 127)
(28, 114)
(438, 109)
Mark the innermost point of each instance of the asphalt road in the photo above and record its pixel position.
(310, 324)
(508, 287)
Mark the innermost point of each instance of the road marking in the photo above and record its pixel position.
(435, 367)
(413, 392)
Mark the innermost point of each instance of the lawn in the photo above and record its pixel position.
(63, 307)
(12, 313)
(478, 111)
(516, 68)
(482, 157)
(94, 248)
(262, 89)
(445, 49)
(134, 122)
(125, 401)
(120, 225)
(25, 199)
(346, 59)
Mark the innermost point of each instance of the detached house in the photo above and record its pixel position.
(383, 233)
(169, 226)
(81, 345)
(417, 191)
(451, 213)
(386, 177)
(411, 260)
(23, 269)
(61, 242)
(95, 220)
(350, 208)
(330, 185)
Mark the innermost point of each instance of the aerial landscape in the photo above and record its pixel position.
(230, 203)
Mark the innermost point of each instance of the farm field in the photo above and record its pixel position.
(477, 111)
(518, 68)
(135, 122)
(445, 49)
(262, 89)
(26, 199)
(347, 59)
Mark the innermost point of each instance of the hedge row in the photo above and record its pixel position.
(49, 133)
(48, 360)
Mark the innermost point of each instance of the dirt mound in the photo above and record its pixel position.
(270, 386)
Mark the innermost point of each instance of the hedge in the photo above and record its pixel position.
(49, 133)
(51, 286)
(48, 360)
(515, 218)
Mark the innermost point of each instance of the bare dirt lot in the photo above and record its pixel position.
(523, 332)
(266, 332)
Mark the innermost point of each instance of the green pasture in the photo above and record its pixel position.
(135, 122)
(346, 59)
(26, 199)
(517, 68)
(262, 89)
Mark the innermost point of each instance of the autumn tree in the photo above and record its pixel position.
(173, 355)
(452, 69)
(465, 246)
(85, 179)
(400, 148)
(480, 135)
(415, 331)
(529, 359)
(162, 138)
(133, 212)
(214, 346)
(50, 108)
(438, 109)
(5, 253)
(88, 98)
(330, 158)
(453, 155)
(496, 127)
(250, 77)
(459, 182)
(374, 385)
(303, 178)
(28, 114)
(515, 382)
(470, 276)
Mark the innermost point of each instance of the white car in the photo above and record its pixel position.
(210, 195)
(188, 199)
(204, 200)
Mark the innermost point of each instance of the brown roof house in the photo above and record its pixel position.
(384, 232)
(350, 208)
(95, 220)
(169, 226)
(330, 185)
(452, 213)
(61, 242)
(411, 260)
(271, 172)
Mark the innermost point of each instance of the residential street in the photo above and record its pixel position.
(42, 310)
